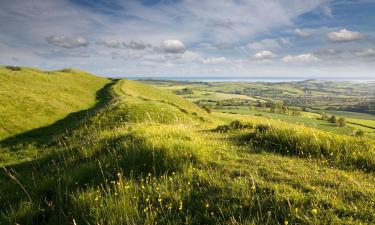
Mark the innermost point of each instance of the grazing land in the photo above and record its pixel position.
(164, 152)
(301, 102)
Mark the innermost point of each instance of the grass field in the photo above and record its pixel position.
(40, 98)
(212, 93)
(145, 156)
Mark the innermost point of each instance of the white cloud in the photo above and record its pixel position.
(264, 55)
(137, 45)
(25, 24)
(111, 43)
(214, 60)
(173, 46)
(264, 44)
(328, 52)
(67, 42)
(190, 56)
(345, 35)
(367, 53)
(302, 33)
(303, 58)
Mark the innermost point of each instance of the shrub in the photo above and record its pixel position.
(332, 119)
(185, 91)
(262, 128)
(234, 125)
(14, 68)
(341, 122)
(359, 133)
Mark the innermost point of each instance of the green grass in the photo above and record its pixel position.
(149, 157)
(306, 120)
(31, 98)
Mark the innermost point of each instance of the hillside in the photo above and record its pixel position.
(147, 156)
(31, 98)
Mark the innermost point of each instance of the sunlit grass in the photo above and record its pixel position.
(142, 160)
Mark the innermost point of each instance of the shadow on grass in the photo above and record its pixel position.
(53, 178)
(43, 136)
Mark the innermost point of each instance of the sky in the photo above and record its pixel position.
(188, 38)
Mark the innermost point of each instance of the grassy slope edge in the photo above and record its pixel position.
(31, 98)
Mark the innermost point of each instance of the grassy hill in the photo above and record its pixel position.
(31, 98)
(147, 156)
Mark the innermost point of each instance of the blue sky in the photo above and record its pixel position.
(302, 38)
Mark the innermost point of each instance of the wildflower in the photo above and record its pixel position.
(296, 210)
(188, 182)
(286, 222)
(207, 205)
(314, 211)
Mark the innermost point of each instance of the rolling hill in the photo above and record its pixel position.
(146, 156)
(31, 98)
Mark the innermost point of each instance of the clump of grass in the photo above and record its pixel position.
(262, 127)
(14, 68)
(234, 125)
(339, 150)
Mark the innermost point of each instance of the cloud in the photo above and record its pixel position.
(225, 31)
(302, 33)
(67, 42)
(264, 55)
(345, 35)
(268, 43)
(111, 43)
(328, 52)
(367, 53)
(303, 58)
(214, 60)
(173, 46)
(137, 45)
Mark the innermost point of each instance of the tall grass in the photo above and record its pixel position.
(339, 150)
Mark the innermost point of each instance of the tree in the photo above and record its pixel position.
(332, 119)
(341, 122)
(359, 133)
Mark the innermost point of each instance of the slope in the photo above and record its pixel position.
(120, 169)
(31, 98)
